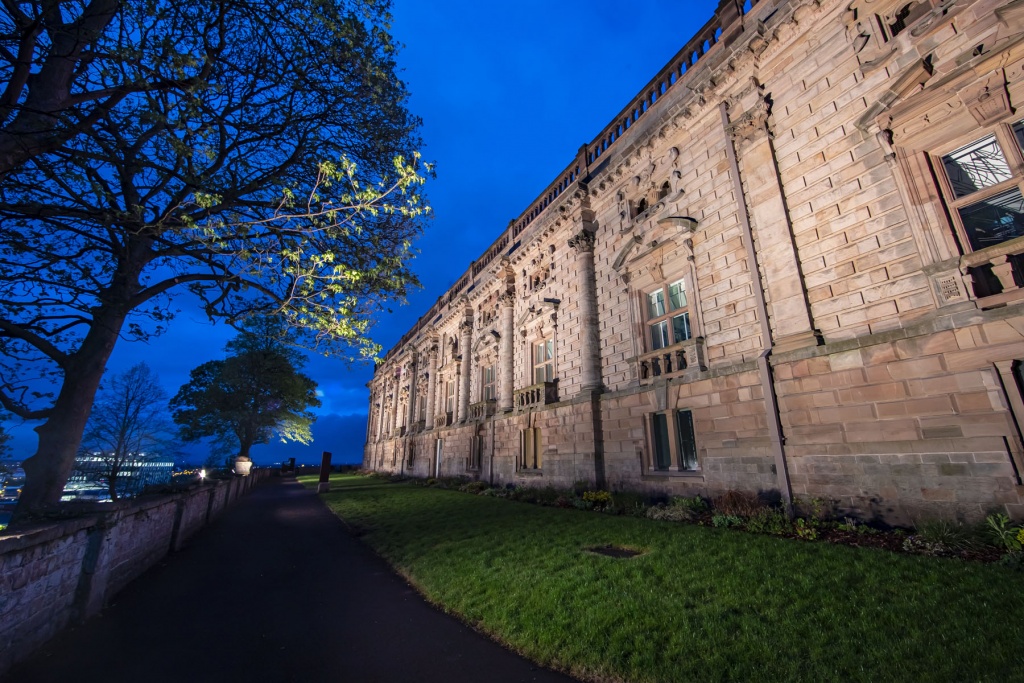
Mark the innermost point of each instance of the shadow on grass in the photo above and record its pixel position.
(699, 603)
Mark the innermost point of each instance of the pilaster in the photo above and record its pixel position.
(590, 351)
(788, 307)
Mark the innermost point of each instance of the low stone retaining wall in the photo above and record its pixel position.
(58, 573)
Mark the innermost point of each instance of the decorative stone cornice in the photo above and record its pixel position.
(583, 241)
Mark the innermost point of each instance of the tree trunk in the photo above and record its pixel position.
(245, 444)
(60, 436)
(112, 481)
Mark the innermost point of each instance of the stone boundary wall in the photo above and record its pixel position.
(56, 574)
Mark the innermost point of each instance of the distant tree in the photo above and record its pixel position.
(127, 428)
(5, 438)
(257, 154)
(250, 396)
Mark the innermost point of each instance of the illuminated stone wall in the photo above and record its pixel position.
(56, 574)
(836, 186)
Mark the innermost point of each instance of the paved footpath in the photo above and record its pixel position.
(274, 590)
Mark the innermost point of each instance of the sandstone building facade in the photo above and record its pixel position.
(793, 264)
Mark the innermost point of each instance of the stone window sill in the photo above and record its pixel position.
(530, 473)
(659, 475)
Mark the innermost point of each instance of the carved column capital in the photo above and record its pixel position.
(752, 125)
(583, 241)
(507, 298)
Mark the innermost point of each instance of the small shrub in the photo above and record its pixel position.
(851, 524)
(1004, 533)
(805, 529)
(696, 504)
(916, 544)
(474, 487)
(599, 499)
(563, 502)
(581, 504)
(769, 521)
(672, 513)
(629, 503)
(725, 521)
(946, 533)
(815, 510)
(451, 482)
(495, 493)
(430, 482)
(738, 504)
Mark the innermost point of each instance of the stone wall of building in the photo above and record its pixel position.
(831, 193)
(56, 574)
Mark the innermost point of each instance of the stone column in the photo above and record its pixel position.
(508, 300)
(410, 412)
(379, 416)
(788, 307)
(395, 395)
(465, 339)
(431, 383)
(590, 344)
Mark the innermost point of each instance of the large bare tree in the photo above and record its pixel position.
(127, 428)
(271, 172)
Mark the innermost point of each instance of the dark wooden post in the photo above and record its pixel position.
(325, 474)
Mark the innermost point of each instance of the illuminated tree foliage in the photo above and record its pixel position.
(250, 396)
(254, 154)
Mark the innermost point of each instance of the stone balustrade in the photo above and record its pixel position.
(672, 360)
(442, 420)
(535, 395)
(996, 275)
(483, 409)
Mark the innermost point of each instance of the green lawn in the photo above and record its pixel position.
(700, 604)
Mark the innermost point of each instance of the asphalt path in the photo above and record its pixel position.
(275, 589)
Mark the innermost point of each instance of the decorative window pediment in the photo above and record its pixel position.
(873, 26)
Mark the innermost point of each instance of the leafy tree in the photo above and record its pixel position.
(127, 427)
(250, 396)
(201, 170)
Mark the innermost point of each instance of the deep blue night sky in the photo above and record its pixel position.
(507, 92)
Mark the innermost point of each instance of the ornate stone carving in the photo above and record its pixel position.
(583, 241)
(987, 99)
(507, 298)
(753, 124)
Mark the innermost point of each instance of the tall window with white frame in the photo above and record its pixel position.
(668, 315)
(982, 185)
(487, 385)
(672, 441)
(544, 361)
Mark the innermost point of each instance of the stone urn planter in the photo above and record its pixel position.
(242, 465)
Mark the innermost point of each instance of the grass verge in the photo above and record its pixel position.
(698, 603)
